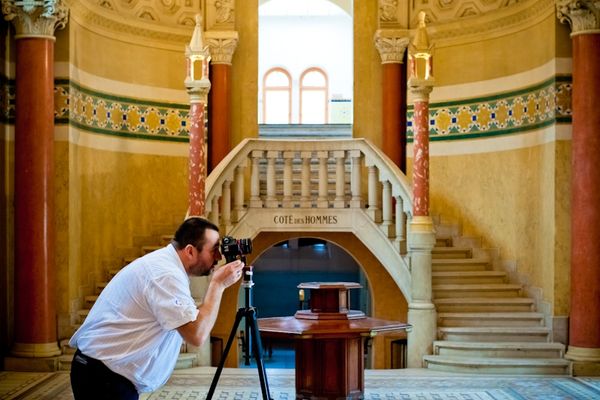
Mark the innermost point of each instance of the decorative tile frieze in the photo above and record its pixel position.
(112, 115)
(503, 114)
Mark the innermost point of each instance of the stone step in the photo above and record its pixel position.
(494, 334)
(462, 277)
(129, 260)
(476, 290)
(443, 241)
(90, 300)
(484, 304)
(512, 366)
(499, 349)
(467, 264)
(491, 319)
(112, 272)
(150, 249)
(100, 287)
(166, 239)
(448, 252)
(82, 314)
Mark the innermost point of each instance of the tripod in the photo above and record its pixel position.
(252, 333)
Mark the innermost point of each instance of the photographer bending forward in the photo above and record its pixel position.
(131, 338)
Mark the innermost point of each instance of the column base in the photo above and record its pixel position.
(422, 317)
(586, 361)
(28, 364)
(35, 350)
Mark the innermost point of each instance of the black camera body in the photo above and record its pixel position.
(232, 248)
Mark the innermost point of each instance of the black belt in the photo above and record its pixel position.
(86, 360)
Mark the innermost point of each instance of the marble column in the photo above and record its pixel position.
(222, 45)
(421, 239)
(198, 86)
(584, 319)
(35, 333)
(391, 45)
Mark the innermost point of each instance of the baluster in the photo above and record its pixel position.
(387, 226)
(374, 211)
(322, 201)
(356, 201)
(305, 200)
(226, 203)
(214, 212)
(271, 199)
(255, 200)
(238, 195)
(400, 226)
(340, 179)
(288, 157)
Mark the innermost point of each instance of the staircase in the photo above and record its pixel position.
(485, 324)
(185, 360)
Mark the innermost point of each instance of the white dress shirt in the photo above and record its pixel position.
(132, 326)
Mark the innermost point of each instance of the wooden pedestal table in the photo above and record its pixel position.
(329, 341)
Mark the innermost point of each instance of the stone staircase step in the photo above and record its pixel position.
(460, 277)
(467, 264)
(112, 272)
(484, 304)
(166, 239)
(90, 300)
(498, 349)
(448, 252)
(129, 260)
(499, 319)
(150, 249)
(512, 366)
(186, 360)
(100, 287)
(476, 290)
(494, 334)
(443, 241)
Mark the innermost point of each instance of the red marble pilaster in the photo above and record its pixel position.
(197, 160)
(35, 305)
(219, 114)
(584, 323)
(394, 113)
(420, 173)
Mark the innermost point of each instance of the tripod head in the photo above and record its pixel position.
(247, 274)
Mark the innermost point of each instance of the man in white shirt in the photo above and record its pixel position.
(129, 342)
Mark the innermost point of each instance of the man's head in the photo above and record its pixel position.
(197, 243)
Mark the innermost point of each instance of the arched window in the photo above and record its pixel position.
(277, 96)
(314, 94)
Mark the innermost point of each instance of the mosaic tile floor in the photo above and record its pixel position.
(243, 384)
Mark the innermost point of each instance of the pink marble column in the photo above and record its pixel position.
(584, 318)
(35, 333)
(420, 172)
(197, 160)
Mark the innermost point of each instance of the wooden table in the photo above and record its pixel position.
(329, 345)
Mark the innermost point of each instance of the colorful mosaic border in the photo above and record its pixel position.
(507, 113)
(527, 109)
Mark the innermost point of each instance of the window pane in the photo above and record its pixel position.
(277, 107)
(313, 107)
(277, 78)
(314, 78)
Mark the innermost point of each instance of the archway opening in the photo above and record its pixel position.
(281, 268)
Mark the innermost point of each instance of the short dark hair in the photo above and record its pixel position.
(191, 231)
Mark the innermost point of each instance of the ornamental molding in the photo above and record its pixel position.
(502, 22)
(582, 15)
(222, 45)
(35, 18)
(170, 29)
(391, 44)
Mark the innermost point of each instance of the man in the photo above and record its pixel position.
(131, 338)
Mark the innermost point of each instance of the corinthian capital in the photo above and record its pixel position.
(582, 15)
(391, 44)
(222, 45)
(35, 18)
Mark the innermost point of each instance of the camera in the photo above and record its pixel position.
(231, 248)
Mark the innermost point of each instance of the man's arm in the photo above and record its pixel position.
(196, 332)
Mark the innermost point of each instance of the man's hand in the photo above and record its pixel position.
(228, 274)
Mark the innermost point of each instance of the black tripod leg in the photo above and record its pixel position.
(213, 385)
(262, 374)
